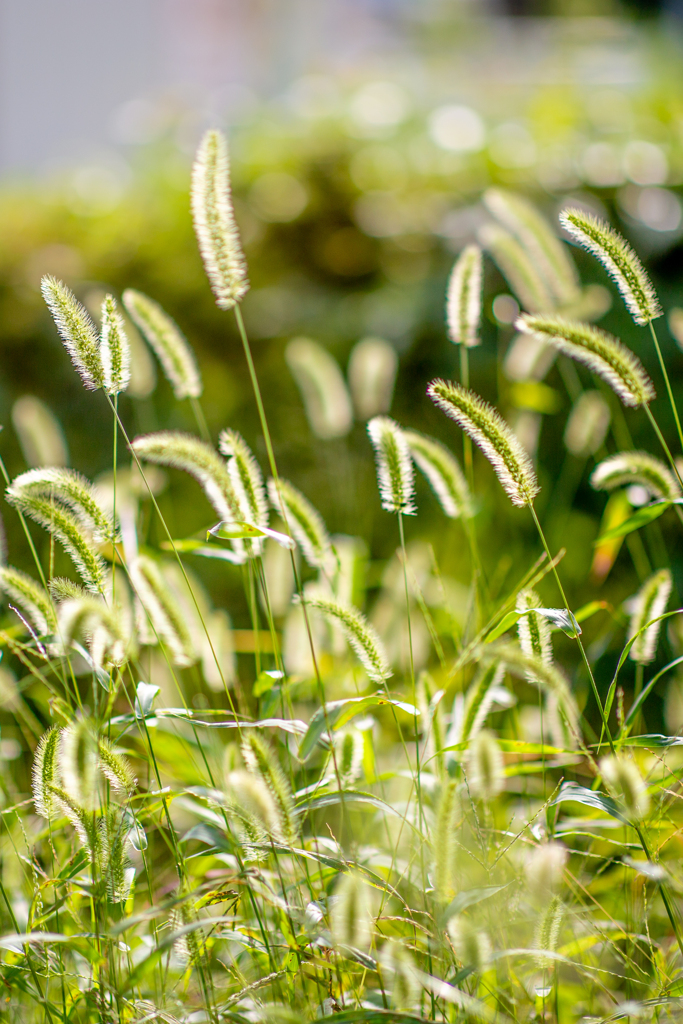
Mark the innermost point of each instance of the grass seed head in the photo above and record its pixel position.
(77, 331)
(40, 434)
(214, 221)
(618, 259)
(351, 918)
(394, 465)
(31, 597)
(114, 348)
(602, 353)
(46, 771)
(485, 769)
(463, 298)
(651, 601)
(372, 369)
(304, 521)
(626, 468)
(550, 255)
(443, 472)
(544, 869)
(626, 785)
(587, 424)
(472, 945)
(359, 633)
(492, 434)
(168, 343)
(323, 389)
(517, 268)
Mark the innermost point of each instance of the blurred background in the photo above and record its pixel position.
(363, 133)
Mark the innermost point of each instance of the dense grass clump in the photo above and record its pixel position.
(398, 794)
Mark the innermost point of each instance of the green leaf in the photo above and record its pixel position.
(350, 796)
(469, 898)
(246, 531)
(571, 791)
(506, 623)
(337, 713)
(561, 618)
(144, 699)
(646, 514)
(653, 740)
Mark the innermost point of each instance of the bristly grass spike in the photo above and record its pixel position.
(618, 259)
(77, 331)
(492, 434)
(463, 298)
(214, 221)
(394, 466)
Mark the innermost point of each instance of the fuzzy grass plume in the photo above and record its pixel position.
(443, 472)
(114, 348)
(46, 771)
(247, 479)
(304, 521)
(165, 615)
(394, 466)
(618, 259)
(261, 761)
(484, 767)
(463, 298)
(372, 369)
(492, 434)
(40, 434)
(167, 342)
(71, 489)
(549, 254)
(444, 840)
(77, 331)
(184, 451)
(626, 785)
(61, 522)
(637, 467)
(587, 424)
(533, 629)
(600, 352)
(323, 389)
(359, 633)
(517, 268)
(650, 603)
(214, 221)
(31, 597)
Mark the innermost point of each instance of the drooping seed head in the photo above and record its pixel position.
(618, 259)
(544, 674)
(443, 472)
(641, 468)
(116, 768)
(159, 606)
(463, 298)
(492, 434)
(46, 772)
(472, 944)
(325, 396)
(544, 869)
(587, 425)
(372, 369)
(77, 331)
(484, 765)
(359, 634)
(517, 268)
(548, 253)
(352, 919)
(394, 465)
(78, 763)
(533, 629)
(214, 221)
(247, 479)
(478, 701)
(600, 352)
(40, 434)
(167, 342)
(627, 786)
(254, 812)
(547, 933)
(304, 521)
(71, 489)
(261, 761)
(30, 596)
(651, 601)
(114, 348)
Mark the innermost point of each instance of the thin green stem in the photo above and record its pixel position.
(578, 638)
(668, 383)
